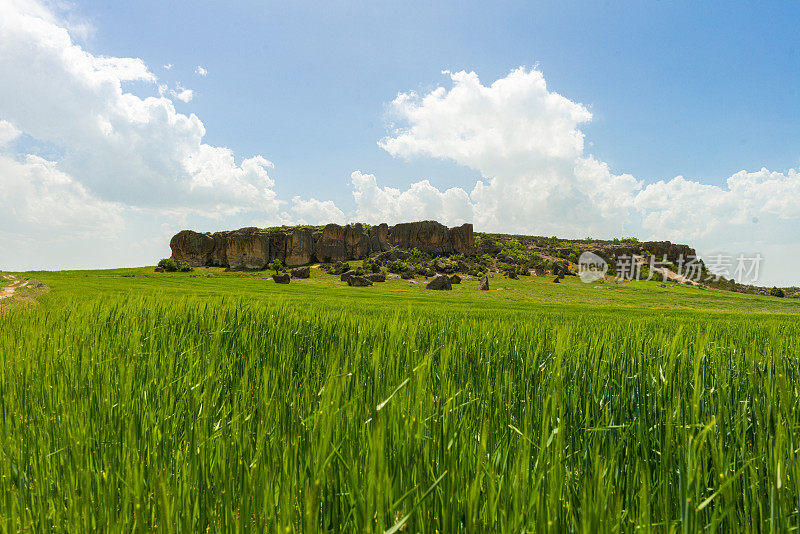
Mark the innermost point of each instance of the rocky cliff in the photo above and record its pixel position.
(254, 248)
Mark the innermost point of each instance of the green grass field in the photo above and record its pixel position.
(135, 401)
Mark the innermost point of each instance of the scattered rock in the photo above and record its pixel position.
(281, 278)
(211, 275)
(393, 277)
(346, 275)
(407, 275)
(441, 282)
(358, 281)
(455, 279)
(376, 277)
(557, 281)
(158, 270)
(301, 272)
(413, 282)
(483, 285)
(442, 267)
(662, 285)
(512, 275)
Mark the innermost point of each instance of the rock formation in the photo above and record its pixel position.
(254, 248)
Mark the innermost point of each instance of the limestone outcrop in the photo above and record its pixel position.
(254, 248)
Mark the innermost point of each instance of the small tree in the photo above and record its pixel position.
(168, 264)
(276, 265)
(186, 268)
(776, 292)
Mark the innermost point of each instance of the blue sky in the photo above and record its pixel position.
(653, 91)
(698, 89)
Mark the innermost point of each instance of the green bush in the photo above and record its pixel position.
(398, 267)
(276, 265)
(168, 264)
(776, 292)
(185, 268)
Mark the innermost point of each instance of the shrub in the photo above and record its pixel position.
(776, 292)
(186, 268)
(276, 265)
(398, 267)
(168, 264)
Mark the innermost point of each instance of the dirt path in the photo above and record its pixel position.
(8, 289)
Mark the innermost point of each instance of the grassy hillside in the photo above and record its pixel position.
(182, 403)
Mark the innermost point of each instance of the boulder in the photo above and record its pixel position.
(393, 277)
(455, 279)
(211, 275)
(443, 266)
(346, 275)
(483, 285)
(281, 278)
(407, 275)
(556, 280)
(301, 272)
(441, 282)
(376, 277)
(158, 270)
(358, 281)
(512, 275)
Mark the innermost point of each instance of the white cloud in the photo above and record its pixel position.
(200, 70)
(313, 211)
(526, 142)
(125, 157)
(376, 204)
(40, 202)
(182, 94)
(168, 66)
(7, 132)
(125, 148)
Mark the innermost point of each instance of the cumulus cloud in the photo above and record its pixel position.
(120, 154)
(39, 201)
(182, 94)
(8, 132)
(526, 142)
(200, 70)
(313, 211)
(375, 204)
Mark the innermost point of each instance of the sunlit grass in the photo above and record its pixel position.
(184, 404)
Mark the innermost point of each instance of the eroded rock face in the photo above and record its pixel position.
(253, 248)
